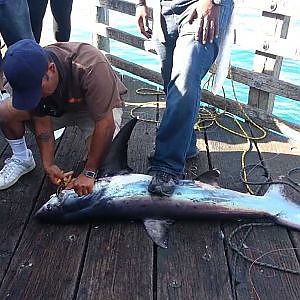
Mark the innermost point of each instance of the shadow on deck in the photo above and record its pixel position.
(118, 261)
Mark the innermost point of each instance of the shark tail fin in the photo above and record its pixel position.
(285, 211)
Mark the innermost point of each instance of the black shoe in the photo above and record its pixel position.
(162, 183)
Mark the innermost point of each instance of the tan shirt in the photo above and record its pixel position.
(87, 80)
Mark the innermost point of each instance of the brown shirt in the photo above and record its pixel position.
(87, 80)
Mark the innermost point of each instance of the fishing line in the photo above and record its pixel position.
(237, 249)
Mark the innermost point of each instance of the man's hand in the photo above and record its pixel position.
(82, 185)
(56, 175)
(207, 14)
(141, 14)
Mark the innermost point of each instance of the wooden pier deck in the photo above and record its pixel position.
(116, 260)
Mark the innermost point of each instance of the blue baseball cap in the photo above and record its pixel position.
(25, 63)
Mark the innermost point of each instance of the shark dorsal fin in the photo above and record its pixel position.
(116, 159)
(210, 177)
(158, 230)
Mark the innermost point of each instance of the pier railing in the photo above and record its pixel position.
(270, 44)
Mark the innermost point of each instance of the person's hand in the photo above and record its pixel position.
(82, 185)
(207, 14)
(141, 14)
(56, 175)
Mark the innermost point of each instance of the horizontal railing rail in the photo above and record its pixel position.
(268, 46)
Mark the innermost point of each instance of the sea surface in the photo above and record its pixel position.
(83, 16)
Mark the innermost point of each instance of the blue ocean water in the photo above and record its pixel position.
(83, 16)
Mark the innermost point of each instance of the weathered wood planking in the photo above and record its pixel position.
(194, 265)
(287, 48)
(252, 79)
(3, 143)
(199, 246)
(284, 7)
(119, 258)
(226, 150)
(118, 263)
(16, 207)
(47, 260)
(280, 156)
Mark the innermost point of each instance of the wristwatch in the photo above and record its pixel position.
(217, 2)
(89, 173)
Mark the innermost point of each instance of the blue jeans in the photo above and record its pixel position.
(184, 62)
(61, 10)
(15, 21)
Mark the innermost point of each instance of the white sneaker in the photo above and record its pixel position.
(13, 169)
(4, 95)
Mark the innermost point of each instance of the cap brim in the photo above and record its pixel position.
(26, 100)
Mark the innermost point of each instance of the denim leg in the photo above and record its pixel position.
(176, 136)
(190, 64)
(37, 11)
(61, 11)
(166, 49)
(15, 21)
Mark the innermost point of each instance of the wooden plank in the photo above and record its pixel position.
(225, 150)
(121, 6)
(266, 83)
(3, 143)
(277, 26)
(284, 7)
(280, 156)
(102, 17)
(16, 204)
(123, 37)
(194, 266)
(287, 48)
(262, 42)
(195, 250)
(116, 249)
(48, 258)
(254, 79)
(260, 116)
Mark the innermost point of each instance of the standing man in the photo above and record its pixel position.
(64, 84)
(61, 11)
(187, 40)
(14, 26)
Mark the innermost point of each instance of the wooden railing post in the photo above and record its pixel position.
(102, 16)
(268, 63)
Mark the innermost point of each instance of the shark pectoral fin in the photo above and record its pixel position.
(210, 177)
(158, 230)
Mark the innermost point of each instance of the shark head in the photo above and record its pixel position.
(60, 207)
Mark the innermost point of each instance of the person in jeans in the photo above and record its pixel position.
(187, 41)
(60, 85)
(14, 26)
(61, 10)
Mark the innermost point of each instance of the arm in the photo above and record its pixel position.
(141, 14)
(101, 141)
(45, 139)
(207, 14)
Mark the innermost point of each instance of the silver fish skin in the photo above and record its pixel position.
(127, 197)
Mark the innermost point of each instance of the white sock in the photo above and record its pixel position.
(19, 148)
(4, 95)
